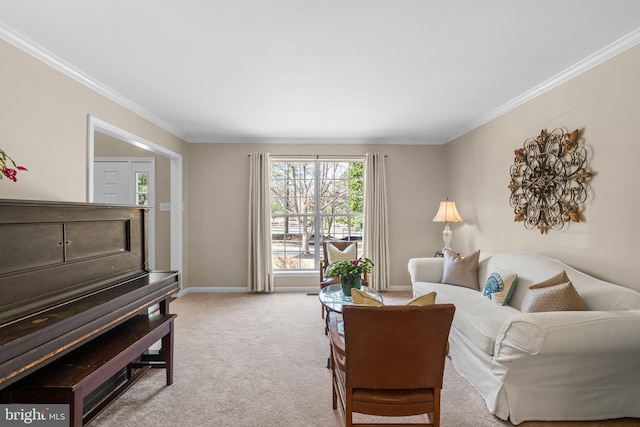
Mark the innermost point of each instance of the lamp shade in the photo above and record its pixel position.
(447, 213)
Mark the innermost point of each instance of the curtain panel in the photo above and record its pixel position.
(260, 271)
(376, 241)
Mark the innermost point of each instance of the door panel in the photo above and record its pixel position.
(112, 184)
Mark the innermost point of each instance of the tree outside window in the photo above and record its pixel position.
(312, 202)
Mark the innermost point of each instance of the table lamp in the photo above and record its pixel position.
(447, 213)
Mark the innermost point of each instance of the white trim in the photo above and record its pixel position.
(94, 124)
(604, 54)
(280, 289)
(33, 49)
(23, 43)
(239, 289)
(221, 139)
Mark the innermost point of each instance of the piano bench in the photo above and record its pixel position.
(71, 378)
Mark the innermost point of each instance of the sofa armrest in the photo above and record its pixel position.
(568, 332)
(426, 269)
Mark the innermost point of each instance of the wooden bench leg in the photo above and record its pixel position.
(167, 347)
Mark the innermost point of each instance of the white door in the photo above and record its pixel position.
(112, 182)
(130, 181)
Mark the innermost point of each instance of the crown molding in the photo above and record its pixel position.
(23, 43)
(602, 55)
(323, 141)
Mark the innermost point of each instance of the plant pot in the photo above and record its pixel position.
(350, 282)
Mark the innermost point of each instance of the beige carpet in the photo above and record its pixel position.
(260, 360)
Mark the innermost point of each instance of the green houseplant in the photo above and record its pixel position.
(350, 272)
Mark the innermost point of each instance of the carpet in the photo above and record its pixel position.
(260, 360)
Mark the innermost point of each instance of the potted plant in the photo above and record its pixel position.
(350, 273)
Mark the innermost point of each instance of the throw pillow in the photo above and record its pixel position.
(334, 254)
(426, 299)
(461, 271)
(554, 294)
(363, 298)
(500, 286)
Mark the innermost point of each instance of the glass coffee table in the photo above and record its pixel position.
(333, 299)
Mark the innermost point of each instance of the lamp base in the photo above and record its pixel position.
(447, 234)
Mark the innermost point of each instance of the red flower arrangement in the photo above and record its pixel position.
(5, 167)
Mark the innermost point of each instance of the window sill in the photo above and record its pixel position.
(306, 273)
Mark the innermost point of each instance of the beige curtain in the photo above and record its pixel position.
(376, 242)
(260, 276)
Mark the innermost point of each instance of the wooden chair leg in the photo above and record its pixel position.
(334, 394)
(348, 409)
(436, 407)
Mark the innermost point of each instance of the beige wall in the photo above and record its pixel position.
(218, 211)
(43, 126)
(605, 103)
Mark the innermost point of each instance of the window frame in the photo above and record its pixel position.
(317, 216)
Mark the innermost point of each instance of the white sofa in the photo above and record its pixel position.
(561, 365)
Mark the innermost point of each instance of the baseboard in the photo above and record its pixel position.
(236, 289)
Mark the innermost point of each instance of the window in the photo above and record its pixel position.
(142, 188)
(312, 201)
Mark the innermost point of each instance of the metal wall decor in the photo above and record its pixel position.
(548, 180)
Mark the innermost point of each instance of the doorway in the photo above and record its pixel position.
(128, 181)
(174, 206)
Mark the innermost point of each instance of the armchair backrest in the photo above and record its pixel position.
(396, 347)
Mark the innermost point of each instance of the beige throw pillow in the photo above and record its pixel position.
(461, 271)
(554, 294)
(334, 254)
(363, 298)
(426, 299)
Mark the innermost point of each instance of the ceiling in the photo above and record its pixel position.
(392, 71)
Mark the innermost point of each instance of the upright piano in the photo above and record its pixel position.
(69, 272)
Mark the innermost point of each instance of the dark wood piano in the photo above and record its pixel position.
(69, 273)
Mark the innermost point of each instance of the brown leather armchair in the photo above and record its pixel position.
(390, 361)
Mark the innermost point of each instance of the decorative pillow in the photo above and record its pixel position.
(554, 294)
(363, 298)
(334, 254)
(500, 286)
(461, 271)
(426, 299)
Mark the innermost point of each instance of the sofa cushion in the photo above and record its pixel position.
(554, 294)
(499, 286)
(461, 271)
(477, 318)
